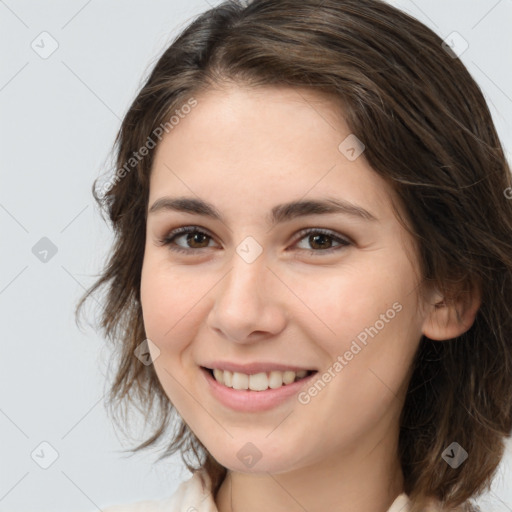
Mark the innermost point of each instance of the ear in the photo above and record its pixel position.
(448, 318)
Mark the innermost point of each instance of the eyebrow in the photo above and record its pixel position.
(279, 213)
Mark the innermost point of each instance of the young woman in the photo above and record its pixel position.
(311, 283)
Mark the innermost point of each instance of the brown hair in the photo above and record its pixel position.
(428, 132)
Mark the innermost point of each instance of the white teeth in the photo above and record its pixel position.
(219, 375)
(240, 380)
(228, 378)
(288, 377)
(257, 381)
(275, 380)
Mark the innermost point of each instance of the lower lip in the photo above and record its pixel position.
(253, 401)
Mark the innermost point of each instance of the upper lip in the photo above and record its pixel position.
(255, 367)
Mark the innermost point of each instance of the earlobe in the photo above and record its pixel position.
(448, 319)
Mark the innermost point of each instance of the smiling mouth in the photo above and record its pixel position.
(258, 381)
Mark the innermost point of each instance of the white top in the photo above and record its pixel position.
(190, 496)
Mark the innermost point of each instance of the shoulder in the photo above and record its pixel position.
(192, 495)
(402, 503)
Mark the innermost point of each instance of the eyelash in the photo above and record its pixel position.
(169, 239)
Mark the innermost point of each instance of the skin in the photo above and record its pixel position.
(246, 150)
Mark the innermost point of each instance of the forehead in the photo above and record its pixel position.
(264, 145)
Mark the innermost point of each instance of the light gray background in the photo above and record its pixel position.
(59, 117)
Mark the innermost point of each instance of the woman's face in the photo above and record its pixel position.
(326, 288)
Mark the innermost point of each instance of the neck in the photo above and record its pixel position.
(367, 479)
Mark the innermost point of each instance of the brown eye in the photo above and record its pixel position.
(321, 241)
(194, 239)
(197, 238)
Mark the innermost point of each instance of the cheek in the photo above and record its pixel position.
(340, 303)
(367, 315)
(173, 303)
(378, 335)
(158, 300)
(169, 318)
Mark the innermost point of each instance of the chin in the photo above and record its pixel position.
(250, 459)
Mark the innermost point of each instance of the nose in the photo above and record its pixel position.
(247, 305)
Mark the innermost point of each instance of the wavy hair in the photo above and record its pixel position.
(428, 132)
